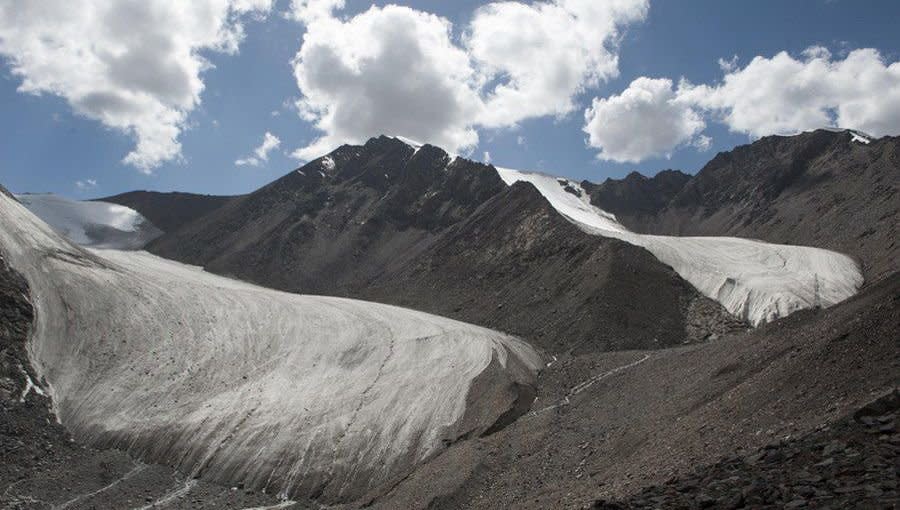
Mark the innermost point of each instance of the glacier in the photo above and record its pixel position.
(291, 394)
(753, 280)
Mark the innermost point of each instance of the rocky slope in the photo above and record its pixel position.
(416, 227)
(820, 188)
(168, 211)
(605, 426)
(848, 464)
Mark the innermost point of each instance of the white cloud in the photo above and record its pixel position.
(646, 120)
(702, 143)
(728, 65)
(487, 157)
(261, 154)
(86, 184)
(778, 95)
(397, 71)
(134, 66)
(786, 95)
(307, 11)
(390, 70)
(536, 57)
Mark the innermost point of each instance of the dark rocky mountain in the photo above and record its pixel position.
(517, 265)
(168, 211)
(637, 197)
(417, 228)
(820, 188)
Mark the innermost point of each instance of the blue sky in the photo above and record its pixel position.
(45, 146)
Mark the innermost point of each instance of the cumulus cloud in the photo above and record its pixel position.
(261, 154)
(785, 95)
(397, 70)
(135, 66)
(535, 57)
(646, 120)
(391, 70)
(781, 95)
(307, 11)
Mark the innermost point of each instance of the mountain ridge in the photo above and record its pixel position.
(168, 210)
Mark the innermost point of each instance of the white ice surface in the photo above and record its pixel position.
(77, 220)
(239, 382)
(753, 280)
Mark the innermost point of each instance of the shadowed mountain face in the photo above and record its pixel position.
(637, 197)
(820, 189)
(419, 228)
(168, 211)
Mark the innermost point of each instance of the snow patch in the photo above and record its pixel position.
(859, 138)
(409, 141)
(855, 134)
(29, 386)
(328, 163)
(756, 281)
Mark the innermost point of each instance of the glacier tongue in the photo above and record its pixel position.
(756, 281)
(297, 394)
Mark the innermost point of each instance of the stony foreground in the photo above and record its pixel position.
(854, 463)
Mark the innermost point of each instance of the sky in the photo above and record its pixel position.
(223, 96)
